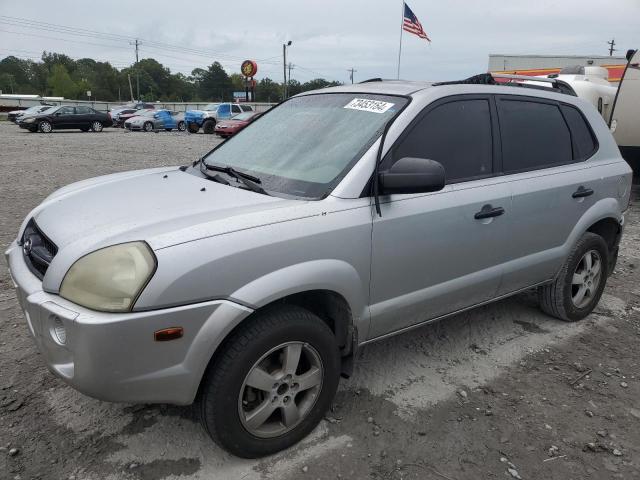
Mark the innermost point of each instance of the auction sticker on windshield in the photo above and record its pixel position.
(367, 105)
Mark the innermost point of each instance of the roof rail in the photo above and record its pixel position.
(515, 81)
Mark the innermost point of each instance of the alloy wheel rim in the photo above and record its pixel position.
(45, 127)
(182, 127)
(280, 389)
(148, 127)
(586, 279)
(97, 126)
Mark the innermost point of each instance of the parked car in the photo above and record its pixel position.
(15, 115)
(129, 114)
(128, 108)
(227, 128)
(152, 120)
(247, 280)
(123, 115)
(67, 117)
(212, 114)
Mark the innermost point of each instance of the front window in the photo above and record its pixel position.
(304, 147)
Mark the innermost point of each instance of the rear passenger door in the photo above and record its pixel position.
(434, 253)
(544, 145)
(83, 117)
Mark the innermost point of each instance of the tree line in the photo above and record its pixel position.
(58, 75)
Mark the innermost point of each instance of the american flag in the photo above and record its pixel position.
(411, 24)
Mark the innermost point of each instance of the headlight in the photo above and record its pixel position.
(29, 120)
(110, 279)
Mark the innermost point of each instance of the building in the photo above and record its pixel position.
(548, 64)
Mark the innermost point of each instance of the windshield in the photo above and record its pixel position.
(146, 113)
(243, 116)
(306, 145)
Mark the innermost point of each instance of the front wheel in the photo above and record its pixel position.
(45, 126)
(148, 126)
(209, 127)
(578, 287)
(271, 383)
(181, 126)
(97, 126)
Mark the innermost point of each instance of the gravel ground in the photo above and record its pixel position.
(499, 392)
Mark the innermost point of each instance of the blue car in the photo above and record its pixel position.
(154, 120)
(212, 114)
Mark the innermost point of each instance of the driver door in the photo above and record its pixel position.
(431, 253)
(64, 118)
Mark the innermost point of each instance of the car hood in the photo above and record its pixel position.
(162, 206)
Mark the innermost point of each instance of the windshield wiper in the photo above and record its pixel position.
(250, 181)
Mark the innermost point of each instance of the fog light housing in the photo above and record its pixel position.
(58, 330)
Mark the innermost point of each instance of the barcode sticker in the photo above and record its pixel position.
(366, 105)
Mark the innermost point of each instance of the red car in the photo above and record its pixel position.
(227, 128)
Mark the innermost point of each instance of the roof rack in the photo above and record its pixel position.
(515, 81)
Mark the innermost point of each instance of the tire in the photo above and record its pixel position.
(224, 394)
(97, 126)
(193, 128)
(147, 127)
(182, 126)
(45, 126)
(562, 298)
(209, 127)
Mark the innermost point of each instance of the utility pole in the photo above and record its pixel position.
(284, 68)
(612, 44)
(137, 44)
(351, 72)
(291, 67)
(130, 87)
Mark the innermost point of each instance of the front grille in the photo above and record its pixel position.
(38, 250)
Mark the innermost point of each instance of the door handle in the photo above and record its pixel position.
(582, 192)
(488, 211)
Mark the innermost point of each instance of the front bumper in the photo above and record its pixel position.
(113, 356)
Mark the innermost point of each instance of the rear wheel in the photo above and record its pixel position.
(97, 126)
(209, 127)
(45, 126)
(271, 383)
(181, 126)
(578, 287)
(148, 126)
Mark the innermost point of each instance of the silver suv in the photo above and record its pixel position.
(247, 280)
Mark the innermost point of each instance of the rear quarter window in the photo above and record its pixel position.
(584, 142)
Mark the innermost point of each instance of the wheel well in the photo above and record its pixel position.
(609, 230)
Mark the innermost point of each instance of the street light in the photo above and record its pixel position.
(284, 68)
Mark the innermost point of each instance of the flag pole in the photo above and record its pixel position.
(400, 48)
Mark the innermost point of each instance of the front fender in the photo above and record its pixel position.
(327, 274)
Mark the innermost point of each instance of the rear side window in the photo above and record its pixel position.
(584, 144)
(83, 110)
(458, 135)
(534, 135)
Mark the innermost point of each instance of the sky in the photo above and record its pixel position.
(328, 37)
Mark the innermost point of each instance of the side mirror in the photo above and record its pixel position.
(412, 175)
